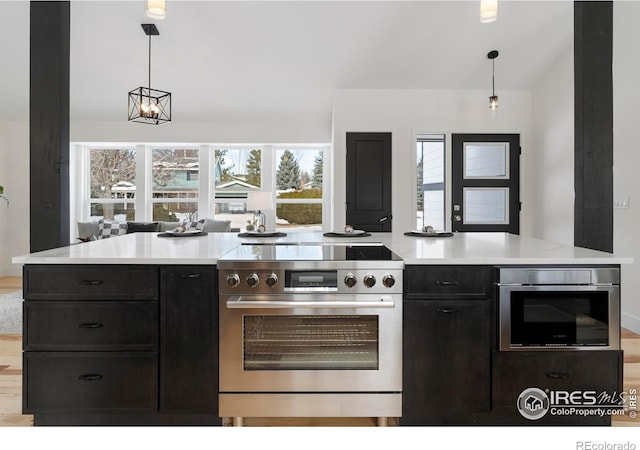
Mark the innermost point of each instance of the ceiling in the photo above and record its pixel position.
(247, 60)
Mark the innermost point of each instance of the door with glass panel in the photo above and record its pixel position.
(485, 182)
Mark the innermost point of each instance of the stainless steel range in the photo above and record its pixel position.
(310, 331)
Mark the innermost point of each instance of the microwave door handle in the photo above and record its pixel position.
(238, 303)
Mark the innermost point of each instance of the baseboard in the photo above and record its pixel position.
(630, 322)
(11, 271)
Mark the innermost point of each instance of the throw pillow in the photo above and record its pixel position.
(107, 229)
(210, 225)
(86, 230)
(142, 227)
(198, 225)
(213, 226)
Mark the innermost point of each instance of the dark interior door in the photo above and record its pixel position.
(369, 181)
(486, 182)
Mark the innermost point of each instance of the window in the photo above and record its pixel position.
(236, 172)
(112, 188)
(174, 189)
(430, 182)
(299, 180)
(191, 181)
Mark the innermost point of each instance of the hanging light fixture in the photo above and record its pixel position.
(148, 105)
(493, 100)
(156, 9)
(488, 11)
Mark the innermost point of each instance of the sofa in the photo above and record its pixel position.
(103, 229)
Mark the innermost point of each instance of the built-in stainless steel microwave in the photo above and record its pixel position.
(559, 308)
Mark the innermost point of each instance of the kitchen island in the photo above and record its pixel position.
(462, 248)
(152, 356)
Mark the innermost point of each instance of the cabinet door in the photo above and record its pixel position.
(513, 372)
(90, 382)
(446, 356)
(189, 340)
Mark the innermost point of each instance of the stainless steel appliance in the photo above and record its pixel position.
(310, 331)
(563, 308)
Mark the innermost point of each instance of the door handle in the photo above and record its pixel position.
(239, 303)
(385, 218)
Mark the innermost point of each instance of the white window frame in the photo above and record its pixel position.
(80, 184)
(325, 179)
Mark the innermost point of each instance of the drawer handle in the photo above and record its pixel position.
(190, 276)
(90, 325)
(446, 310)
(446, 283)
(90, 377)
(90, 282)
(558, 375)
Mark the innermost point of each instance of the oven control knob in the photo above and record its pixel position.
(272, 280)
(388, 281)
(350, 280)
(369, 281)
(233, 280)
(252, 280)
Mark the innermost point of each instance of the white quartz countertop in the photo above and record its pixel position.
(462, 248)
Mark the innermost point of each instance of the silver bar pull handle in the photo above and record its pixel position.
(238, 303)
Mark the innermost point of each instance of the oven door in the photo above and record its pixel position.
(311, 343)
(562, 317)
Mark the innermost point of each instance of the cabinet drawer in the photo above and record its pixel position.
(90, 325)
(514, 372)
(90, 282)
(442, 281)
(90, 382)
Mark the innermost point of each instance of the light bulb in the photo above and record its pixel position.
(493, 102)
(156, 9)
(488, 11)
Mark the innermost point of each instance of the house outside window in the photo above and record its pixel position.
(430, 184)
(175, 191)
(236, 172)
(141, 182)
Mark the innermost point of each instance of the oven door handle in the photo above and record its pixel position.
(238, 303)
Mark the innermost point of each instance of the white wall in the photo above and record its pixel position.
(406, 113)
(266, 132)
(626, 161)
(4, 256)
(14, 229)
(551, 160)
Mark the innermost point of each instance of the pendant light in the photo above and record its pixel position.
(156, 9)
(147, 105)
(488, 11)
(493, 100)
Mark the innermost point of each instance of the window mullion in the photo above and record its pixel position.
(143, 208)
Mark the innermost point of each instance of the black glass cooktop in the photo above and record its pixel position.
(310, 252)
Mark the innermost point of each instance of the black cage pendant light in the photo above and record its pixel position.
(493, 100)
(148, 105)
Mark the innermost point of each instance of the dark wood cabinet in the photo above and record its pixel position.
(90, 339)
(90, 325)
(189, 347)
(120, 345)
(446, 343)
(513, 372)
(437, 282)
(90, 282)
(85, 382)
(446, 358)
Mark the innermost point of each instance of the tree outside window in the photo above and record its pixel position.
(299, 188)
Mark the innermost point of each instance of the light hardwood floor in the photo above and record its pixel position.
(11, 383)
